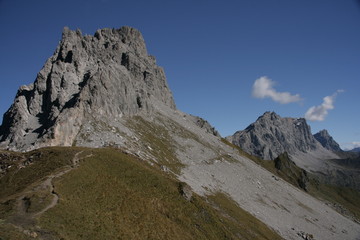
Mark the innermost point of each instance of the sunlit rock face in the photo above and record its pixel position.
(270, 135)
(107, 75)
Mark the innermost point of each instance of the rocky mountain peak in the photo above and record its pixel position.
(327, 141)
(269, 115)
(109, 74)
(270, 135)
(128, 35)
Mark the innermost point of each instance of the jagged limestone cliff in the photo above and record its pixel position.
(109, 74)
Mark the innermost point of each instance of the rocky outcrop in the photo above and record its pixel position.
(291, 172)
(272, 135)
(327, 141)
(185, 191)
(202, 123)
(109, 74)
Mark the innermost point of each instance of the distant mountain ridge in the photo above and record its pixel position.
(271, 135)
(327, 141)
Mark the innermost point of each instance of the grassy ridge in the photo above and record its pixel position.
(42, 163)
(113, 195)
(118, 197)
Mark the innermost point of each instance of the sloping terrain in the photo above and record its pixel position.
(136, 167)
(213, 168)
(109, 194)
(208, 164)
(341, 198)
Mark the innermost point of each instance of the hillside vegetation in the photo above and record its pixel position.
(109, 194)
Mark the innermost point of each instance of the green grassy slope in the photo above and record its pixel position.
(113, 195)
(39, 164)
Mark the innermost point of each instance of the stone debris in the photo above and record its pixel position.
(305, 236)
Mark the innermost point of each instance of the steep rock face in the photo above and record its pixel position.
(109, 74)
(327, 141)
(272, 135)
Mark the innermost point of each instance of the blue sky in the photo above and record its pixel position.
(213, 53)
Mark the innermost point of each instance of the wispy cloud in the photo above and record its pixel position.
(319, 113)
(263, 88)
(350, 145)
(355, 144)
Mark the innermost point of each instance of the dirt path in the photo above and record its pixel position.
(49, 182)
(22, 217)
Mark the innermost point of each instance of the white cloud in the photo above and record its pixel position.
(350, 146)
(355, 144)
(263, 87)
(319, 113)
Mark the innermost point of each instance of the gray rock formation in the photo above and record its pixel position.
(272, 135)
(327, 141)
(202, 123)
(109, 74)
(185, 191)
